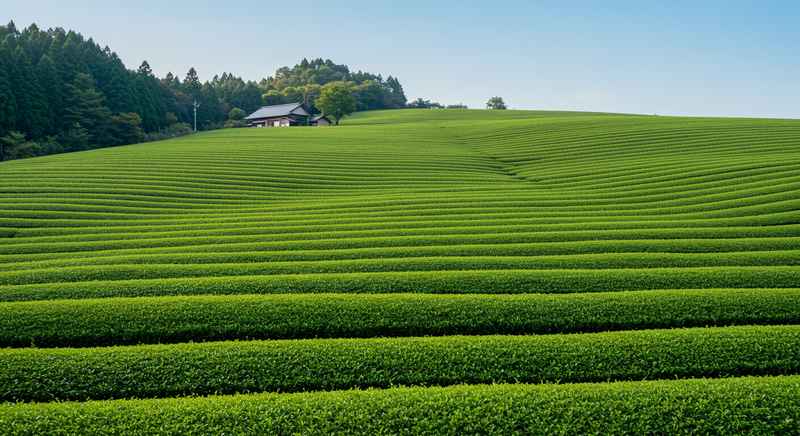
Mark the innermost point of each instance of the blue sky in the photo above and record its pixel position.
(731, 58)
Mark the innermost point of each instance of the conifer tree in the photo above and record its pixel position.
(191, 84)
(32, 107)
(86, 107)
(57, 84)
(144, 69)
(8, 102)
(53, 88)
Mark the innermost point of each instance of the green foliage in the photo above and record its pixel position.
(406, 223)
(496, 103)
(67, 93)
(32, 105)
(273, 97)
(145, 69)
(75, 138)
(48, 75)
(236, 114)
(127, 128)
(234, 92)
(236, 118)
(421, 103)
(113, 321)
(173, 131)
(10, 143)
(8, 102)
(514, 264)
(148, 371)
(768, 405)
(440, 282)
(336, 100)
(192, 84)
(171, 118)
(86, 107)
(304, 82)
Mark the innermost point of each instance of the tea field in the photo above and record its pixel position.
(411, 271)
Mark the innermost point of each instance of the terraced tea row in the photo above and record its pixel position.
(759, 405)
(331, 364)
(449, 263)
(571, 247)
(438, 282)
(114, 321)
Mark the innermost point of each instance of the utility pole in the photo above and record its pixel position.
(195, 105)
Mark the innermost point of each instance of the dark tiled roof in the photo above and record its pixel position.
(274, 111)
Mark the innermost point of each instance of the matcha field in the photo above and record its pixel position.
(410, 271)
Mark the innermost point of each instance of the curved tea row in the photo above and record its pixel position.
(568, 247)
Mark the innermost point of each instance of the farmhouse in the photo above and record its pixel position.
(320, 120)
(285, 115)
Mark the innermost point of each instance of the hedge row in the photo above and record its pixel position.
(144, 205)
(266, 252)
(729, 203)
(66, 227)
(138, 196)
(443, 282)
(270, 227)
(328, 364)
(448, 263)
(748, 405)
(114, 321)
(330, 241)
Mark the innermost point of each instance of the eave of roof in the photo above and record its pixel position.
(278, 110)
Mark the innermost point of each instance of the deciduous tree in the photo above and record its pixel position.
(336, 100)
(496, 103)
(236, 118)
(65, 92)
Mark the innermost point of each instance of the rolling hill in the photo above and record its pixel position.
(474, 271)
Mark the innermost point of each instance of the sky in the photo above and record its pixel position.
(709, 57)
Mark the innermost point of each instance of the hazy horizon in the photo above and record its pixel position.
(716, 59)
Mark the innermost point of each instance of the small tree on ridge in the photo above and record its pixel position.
(496, 103)
(336, 100)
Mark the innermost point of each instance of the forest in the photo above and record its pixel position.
(60, 92)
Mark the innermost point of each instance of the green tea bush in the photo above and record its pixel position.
(768, 405)
(86, 323)
(330, 364)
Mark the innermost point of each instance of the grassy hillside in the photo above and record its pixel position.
(397, 225)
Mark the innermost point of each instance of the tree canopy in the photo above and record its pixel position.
(422, 103)
(336, 100)
(496, 103)
(62, 92)
(304, 82)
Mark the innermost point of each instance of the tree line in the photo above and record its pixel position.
(304, 83)
(496, 103)
(60, 91)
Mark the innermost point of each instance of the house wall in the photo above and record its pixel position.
(270, 122)
(281, 122)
